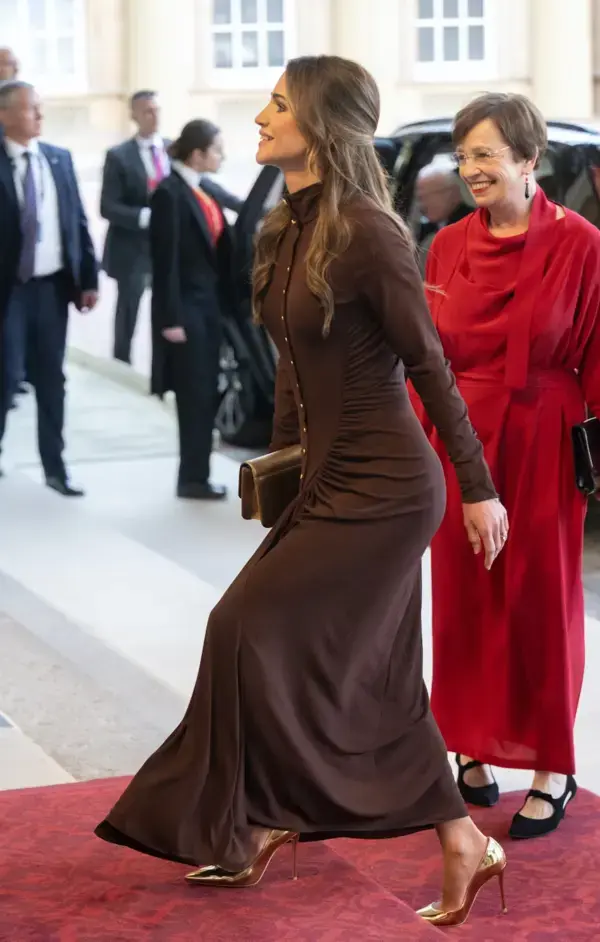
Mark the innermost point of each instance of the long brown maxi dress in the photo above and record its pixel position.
(310, 712)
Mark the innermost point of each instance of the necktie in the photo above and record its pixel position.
(157, 164)
(29, 223)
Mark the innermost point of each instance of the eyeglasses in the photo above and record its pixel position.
(481, 157)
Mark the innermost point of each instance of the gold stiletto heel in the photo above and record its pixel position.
(502, 895)
(493, 864)
(254, 872)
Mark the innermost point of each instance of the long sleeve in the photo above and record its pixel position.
(589, 327)
(164, 252)
(388, 279)
(227, 199)
(112, 204)
(286, 428)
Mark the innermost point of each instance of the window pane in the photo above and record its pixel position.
(450, 43)
(274, 11)
(40, 53)
(65, 48)
(275, 47)
(425, 9)
(65, 16)
(425, 51)
(451, 9)
(476, 43)
(37, 14)
(249, 50)
(249, 11)
(221, 12)
(8, 14)
(475, 8)
(223, 51)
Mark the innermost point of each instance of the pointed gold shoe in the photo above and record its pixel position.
(493, 864)
(254, 872)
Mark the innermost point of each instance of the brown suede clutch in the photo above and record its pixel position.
(269, 484)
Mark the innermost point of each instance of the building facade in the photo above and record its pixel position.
(219, 58)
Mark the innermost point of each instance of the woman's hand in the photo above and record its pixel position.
(174, 334)
(487, 526)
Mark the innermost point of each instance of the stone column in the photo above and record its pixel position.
(369, 32)
(159, 54)
(562, 70)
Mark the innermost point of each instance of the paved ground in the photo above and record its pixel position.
(104, 601)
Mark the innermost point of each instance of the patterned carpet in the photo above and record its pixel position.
(58, 883)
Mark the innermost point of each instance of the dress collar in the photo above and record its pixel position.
(304, 203)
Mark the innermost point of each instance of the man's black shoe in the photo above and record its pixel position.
(205, 491)
(62, 486)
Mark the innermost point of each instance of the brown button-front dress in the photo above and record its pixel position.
(310, 712)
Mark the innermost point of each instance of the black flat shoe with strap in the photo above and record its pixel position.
(523, 828)
(484, 796)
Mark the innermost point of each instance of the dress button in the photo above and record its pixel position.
(304, 451)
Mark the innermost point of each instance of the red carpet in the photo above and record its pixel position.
(58, 883)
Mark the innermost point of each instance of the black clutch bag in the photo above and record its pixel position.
(586, 451)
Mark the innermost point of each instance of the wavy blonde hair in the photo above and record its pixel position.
(336, 104)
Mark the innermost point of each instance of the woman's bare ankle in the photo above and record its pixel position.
(463, 848)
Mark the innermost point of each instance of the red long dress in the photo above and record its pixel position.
(519, 322)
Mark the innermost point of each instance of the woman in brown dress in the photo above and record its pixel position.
(310, 717)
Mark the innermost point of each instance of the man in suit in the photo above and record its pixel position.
(47, 260)
(132, 171)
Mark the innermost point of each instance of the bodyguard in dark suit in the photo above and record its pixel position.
(132, 171)
(192, 284)
(46, 261)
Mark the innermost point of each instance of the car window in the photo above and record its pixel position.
(583, 195)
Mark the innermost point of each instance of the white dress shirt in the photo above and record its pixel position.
(191, 177)
(145, 145)
(48, 251)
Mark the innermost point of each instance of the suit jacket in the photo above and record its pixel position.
(124, 194)
(78, 253)
(191, 278)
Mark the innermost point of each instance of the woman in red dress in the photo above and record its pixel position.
(514, 290)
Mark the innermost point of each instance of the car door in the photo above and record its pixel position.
(248, 362)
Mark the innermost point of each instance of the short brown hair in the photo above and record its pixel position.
(519, 121)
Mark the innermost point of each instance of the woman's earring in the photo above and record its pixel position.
(527, 187)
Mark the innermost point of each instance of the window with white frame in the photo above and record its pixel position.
(49, 39)
(454, 40)
(251, 41)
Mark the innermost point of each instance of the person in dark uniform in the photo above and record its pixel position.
(47, 261)
(132, 170)
(190, 249)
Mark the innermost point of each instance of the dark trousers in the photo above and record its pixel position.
(129, 294)
(195, 371)
(35, 334)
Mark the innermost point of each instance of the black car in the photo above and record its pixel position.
(569, 173)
